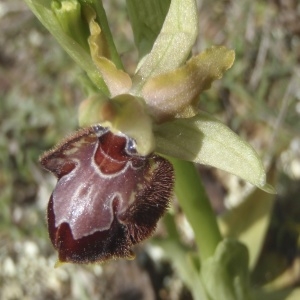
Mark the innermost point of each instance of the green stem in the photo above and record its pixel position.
(196, 206)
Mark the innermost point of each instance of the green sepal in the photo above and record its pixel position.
(146, 19)
(205, 140)
(117, 114)
(173, 44)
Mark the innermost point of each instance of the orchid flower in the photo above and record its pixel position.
(114, 178)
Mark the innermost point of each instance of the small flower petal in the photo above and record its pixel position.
(170, 93)
(117, 81)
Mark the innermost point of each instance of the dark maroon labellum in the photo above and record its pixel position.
(107, 197)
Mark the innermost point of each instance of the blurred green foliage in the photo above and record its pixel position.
(38, 103)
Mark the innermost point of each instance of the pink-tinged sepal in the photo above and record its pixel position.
(107, 198)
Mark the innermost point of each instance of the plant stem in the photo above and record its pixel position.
(196, 206)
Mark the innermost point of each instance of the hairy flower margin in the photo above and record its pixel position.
(156, 108)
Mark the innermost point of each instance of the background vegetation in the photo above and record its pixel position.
(259, 98)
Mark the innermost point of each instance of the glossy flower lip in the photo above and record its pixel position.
(107, 198)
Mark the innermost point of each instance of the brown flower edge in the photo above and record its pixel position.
(107, 198)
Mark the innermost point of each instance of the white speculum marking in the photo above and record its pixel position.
(83, 198)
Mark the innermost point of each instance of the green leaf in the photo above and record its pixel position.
(146, 19)
(186, 264)
(279, 294)
(225, 275)
(205, 140)
(250, 228)
(173, 44)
